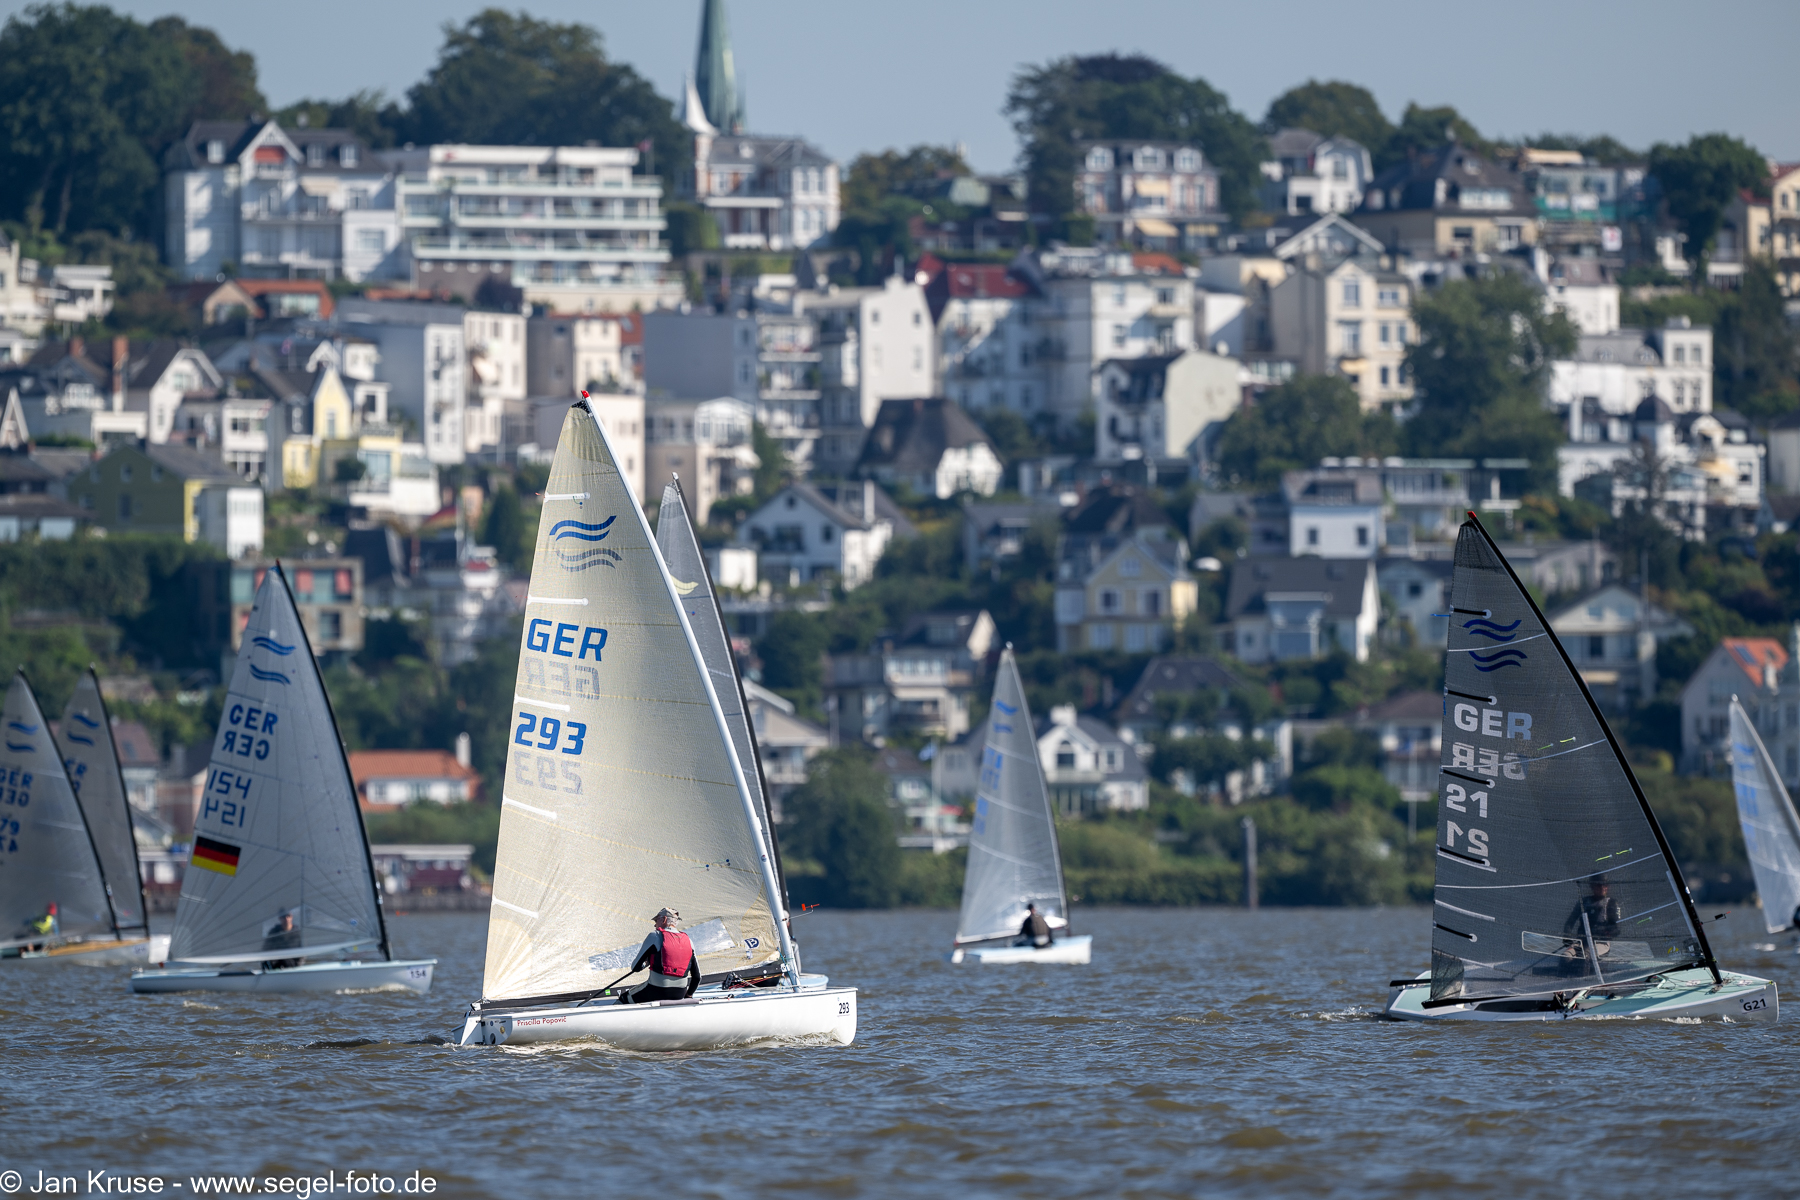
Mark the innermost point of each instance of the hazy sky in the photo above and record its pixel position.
(862, 76)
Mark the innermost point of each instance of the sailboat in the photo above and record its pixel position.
(53, 899)
(1013, 856)
(91, 762)
(279, 889)
(1771, 828)
(626, 793)
(1556, 893)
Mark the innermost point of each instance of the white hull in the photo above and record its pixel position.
(133, 952)
(1687, 994)
(411, 974)
(710, 1020)
(1064, 950)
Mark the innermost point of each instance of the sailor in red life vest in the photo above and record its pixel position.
(674, 969)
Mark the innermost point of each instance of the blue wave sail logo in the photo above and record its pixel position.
(581, 557)
(24, 749)
(267, 676)
(1004, 707)
(271, 645)
(85, 720)
(1492, 629)
(1510, 656)
(21, 727)
(83, 738)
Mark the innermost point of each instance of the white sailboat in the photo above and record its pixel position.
(91, 762)
(279, 890)
(625, 793)
(1014, 859)
(1771, 827)
(1557, 896)
(53, 901)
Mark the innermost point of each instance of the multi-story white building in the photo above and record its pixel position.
(566, 354)
(1164, 407)
(424, 357)
(287, 203)
(769, 357)
(496, 346)
(1348, 317)
(1308, 173)
(874, 344)
(1158, 195)
(764, 193)
(575, 228)
(1614, 372)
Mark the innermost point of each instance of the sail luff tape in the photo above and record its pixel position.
(518, 699)
(578, 600)
(533, 809)
(565, 496)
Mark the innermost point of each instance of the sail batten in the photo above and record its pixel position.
(1014, 859)
(1574, 877)
(46, 854)
(1766, 815)
(280, 867)
(652, 805)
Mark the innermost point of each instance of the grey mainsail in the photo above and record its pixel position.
(623, 791)
(693, 583)
(91, 760)
(46, 855)
(1013, 855)
(1552, 875)
(278, 835)
(1771, 828)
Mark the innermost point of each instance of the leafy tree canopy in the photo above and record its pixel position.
(1481, 369)
(1604, 149)
(369, 114)
(1700, 179)
(1334, 109)
(1424, 129)
(1056, 106)
(1295, 425)
(872, 178)
(838, 839)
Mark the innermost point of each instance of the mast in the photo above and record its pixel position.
(1681, 888)
(337, 738)
(771, 885)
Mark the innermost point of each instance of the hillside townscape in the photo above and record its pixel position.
(1187, 408)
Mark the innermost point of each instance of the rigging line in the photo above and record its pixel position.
(1546, 883)
(1641, 915)
(1495, 646)
(1560, 753)
(1465, 912)
(999, 803)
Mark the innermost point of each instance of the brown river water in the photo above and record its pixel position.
(1204, 1052)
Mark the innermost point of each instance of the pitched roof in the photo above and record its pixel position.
(913, 435)
(1408, 706)
(1457, 167)
(135, 745)
(1115, 510)
(289, 287)
(834, 498)
(187, 463)
(1339, 580)
(407, 764)
(1750, 655)
(1173, 673)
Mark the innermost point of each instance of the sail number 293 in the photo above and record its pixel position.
(549, 731)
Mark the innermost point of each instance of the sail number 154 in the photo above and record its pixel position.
(549, 731)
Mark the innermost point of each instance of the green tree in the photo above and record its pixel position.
(1481, 369)
(1425, 129)
(1756, 364)
(1699, 181)
(691, 228)
(88, 99)
(1062, 103)
(224, 79)
(790, 650)
(838, 839)
(510, 79)
(1334, 109)
(369, 114)
(505, 529)
(1292, 427)
(872, 178)
(1602, 148)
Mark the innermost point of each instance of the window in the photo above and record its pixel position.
(1118, 337)
(1065, 757)
(1415, 590)
(331, 625)
(1362, 535)
(1109, 600)
(1352, 293)
(215, 151)
(125, 507)
(1596, 648)
(347, 155)
(1462, 233)
(1350, 337)
(315, 155)
(1099, 159)
(1130, 566)
(1340, 168)
(825, 534)
(1681, 354)
(1312, 535)
(1165, 295)
(1385, 373)
(1388, 297)
(124, 472)
(370, 241)
(1151, 602)
(1384, 337)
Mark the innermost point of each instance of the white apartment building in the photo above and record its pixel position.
(568, 353)
(1164, 407)
(534, 425)
(769, 358)
(424, 357)
(1614, 372)
(496, 347)
(874, 344)
(764, 193)
(284, 203)
(1308, 173)
(575, 228)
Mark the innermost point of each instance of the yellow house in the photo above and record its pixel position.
(1130, 601)
(333, 417)
(1784, 226)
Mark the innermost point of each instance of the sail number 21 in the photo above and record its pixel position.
(549, 731)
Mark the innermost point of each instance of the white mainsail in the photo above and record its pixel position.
(1771, 828)
(91, 761)
(46, 855)
(279, 834)
(1013, 855)
(687, 567)
(623, 793)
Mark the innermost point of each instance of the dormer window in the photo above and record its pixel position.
(347, 155)
(1099, 159)
(1187, 160)
(215, 151)
(315, 155)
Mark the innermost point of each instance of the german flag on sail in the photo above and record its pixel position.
(215, 856)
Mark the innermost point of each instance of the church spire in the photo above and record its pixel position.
(715, 76)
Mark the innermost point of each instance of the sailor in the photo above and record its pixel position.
(1035, 931)
(1603, 916)
(283, 937)
(674, 968)
(48, 925)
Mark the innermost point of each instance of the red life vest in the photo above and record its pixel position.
(677, 953)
